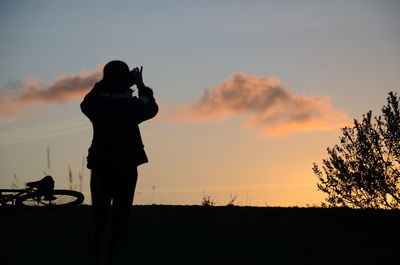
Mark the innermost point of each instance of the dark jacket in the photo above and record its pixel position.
(115, 118)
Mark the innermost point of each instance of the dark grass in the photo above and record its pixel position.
(209, 235)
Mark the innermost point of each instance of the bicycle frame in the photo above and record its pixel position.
(12, 195)
(40, 194)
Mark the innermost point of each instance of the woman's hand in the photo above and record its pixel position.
(137, 76)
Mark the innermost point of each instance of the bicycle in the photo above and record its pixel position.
(40, 194)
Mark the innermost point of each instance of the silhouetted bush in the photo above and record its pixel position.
(232, 200)
(363, 170)
(208, 200)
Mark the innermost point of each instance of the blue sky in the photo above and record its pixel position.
(347, 50)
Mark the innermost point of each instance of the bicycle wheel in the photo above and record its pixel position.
(59, 199)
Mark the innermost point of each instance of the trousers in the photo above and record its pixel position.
(113, 186)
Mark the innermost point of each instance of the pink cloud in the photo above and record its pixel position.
(14, 97)
(264, 104)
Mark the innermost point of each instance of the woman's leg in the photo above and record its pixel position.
(123, 194)
(101, 201)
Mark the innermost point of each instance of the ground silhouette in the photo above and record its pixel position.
(201, 235)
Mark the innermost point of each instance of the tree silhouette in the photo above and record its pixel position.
(363, 170)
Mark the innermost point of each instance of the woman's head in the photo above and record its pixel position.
(117, 74)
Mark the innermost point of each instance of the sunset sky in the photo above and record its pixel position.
(251, 93)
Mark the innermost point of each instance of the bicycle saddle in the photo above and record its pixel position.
(46, 183)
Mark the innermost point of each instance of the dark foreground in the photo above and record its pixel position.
(209, 235)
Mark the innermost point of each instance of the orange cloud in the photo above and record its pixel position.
(14, 96)
(264, 104)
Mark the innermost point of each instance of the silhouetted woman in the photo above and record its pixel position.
(116, 149)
